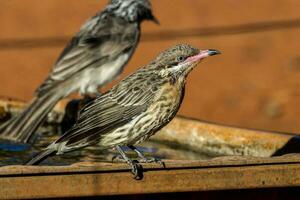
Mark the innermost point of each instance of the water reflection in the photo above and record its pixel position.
(15, 154)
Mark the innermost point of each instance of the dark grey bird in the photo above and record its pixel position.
(134, 109)
(95, 56)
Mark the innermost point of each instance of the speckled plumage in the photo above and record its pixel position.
(134, 109)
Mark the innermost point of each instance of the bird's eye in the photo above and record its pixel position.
(180, 58)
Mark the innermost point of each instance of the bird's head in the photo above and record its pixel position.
(179, 60)
(132, 10)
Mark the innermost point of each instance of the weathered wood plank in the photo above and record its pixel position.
(84, 167)
(118, 181)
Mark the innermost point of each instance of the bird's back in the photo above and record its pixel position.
(105, 43)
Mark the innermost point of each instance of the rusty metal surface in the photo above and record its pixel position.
(10, 107)
(218, 140)
(178, 176)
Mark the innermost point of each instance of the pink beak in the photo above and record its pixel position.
(203, 54)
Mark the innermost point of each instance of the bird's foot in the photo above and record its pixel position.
(136, 169)
(152, 160)
(144, 159)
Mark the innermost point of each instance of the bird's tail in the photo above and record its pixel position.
(21, 127)
(40, 157)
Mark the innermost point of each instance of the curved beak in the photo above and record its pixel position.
(203, 54)
(212, 52)
(154, 19)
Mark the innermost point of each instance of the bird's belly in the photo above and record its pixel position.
(159, 113)
(96, 77)
(147, 123)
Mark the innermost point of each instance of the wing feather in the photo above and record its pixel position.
(108, 112)
(92, 48)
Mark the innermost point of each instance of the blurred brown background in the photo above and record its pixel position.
(255, 83)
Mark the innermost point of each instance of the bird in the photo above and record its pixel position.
(134, 109)
(95, 56)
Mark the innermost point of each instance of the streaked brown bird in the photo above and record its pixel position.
(95, 56)
(133, 110)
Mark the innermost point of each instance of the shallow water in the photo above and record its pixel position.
(16, 154)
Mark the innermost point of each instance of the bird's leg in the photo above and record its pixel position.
(141, 155)
(118, 157)
(144, 159)
(136, 168)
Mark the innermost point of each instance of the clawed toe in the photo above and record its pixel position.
(148, 160)
(136, 167)
(160, 162)
(136, 170)
(152, 160)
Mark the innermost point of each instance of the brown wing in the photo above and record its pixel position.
(114, 109)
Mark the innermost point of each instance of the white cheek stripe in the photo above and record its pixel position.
(179, 66)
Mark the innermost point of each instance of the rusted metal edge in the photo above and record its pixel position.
(219, 140)
(154, 181)
(10, 106)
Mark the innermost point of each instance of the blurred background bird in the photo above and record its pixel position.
(95, 56)
(134, 109)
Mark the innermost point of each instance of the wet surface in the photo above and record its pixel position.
(182, 139)
(17, 153)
